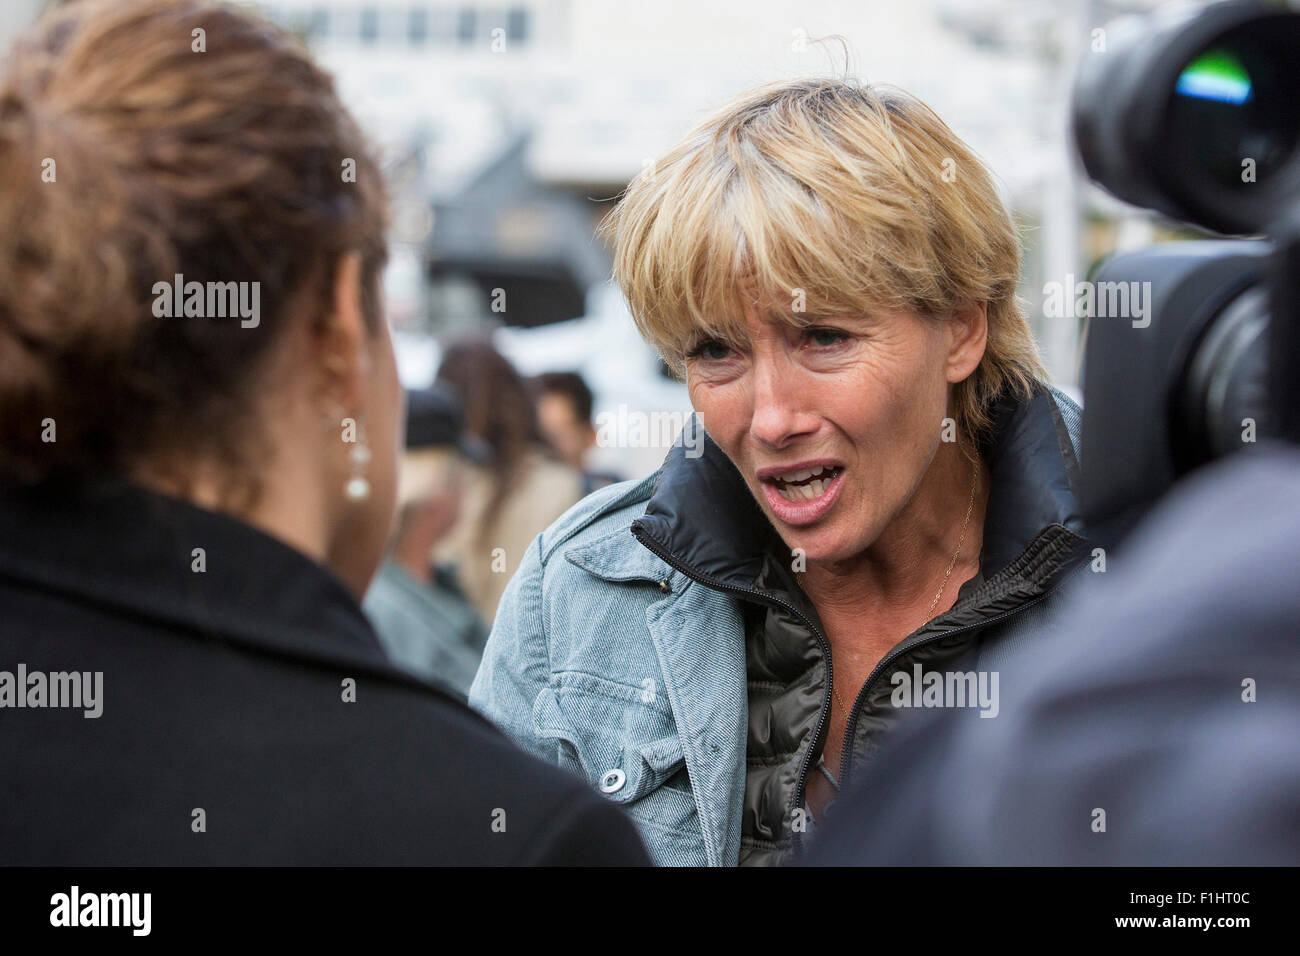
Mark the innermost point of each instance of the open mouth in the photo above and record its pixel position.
(808, 484)
(802, 493)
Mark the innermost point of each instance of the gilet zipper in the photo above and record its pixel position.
(899, 650)
(761, 597)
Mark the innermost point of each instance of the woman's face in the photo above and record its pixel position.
(832, 426)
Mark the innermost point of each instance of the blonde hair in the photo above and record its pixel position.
(860, 196)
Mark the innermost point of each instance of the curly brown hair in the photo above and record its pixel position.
(129, 155)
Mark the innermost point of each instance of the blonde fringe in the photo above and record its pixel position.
(861, 196)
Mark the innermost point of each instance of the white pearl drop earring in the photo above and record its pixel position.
(358, 487)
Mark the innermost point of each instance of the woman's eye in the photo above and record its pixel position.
(824, 338)
(710, 349)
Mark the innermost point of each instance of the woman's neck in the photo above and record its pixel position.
(905, 566)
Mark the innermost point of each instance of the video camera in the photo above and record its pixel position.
(1195, 114)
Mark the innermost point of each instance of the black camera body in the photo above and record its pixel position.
(1185, 389)
(1196, 115)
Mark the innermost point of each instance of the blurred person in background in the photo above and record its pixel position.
(564, 407)
(196, 490)
(423, 619)
(518, 493)
(887, 483)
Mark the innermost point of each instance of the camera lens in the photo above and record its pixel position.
(1225, 381)
(1234, 106)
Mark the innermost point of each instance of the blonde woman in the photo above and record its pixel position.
(886, 496)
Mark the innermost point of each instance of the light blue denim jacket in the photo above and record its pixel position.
(605, 660)
(625, 685)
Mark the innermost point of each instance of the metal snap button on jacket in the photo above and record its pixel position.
(612, 781)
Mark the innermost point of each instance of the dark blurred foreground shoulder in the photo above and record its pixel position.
(528, 812)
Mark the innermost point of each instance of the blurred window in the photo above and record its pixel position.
(318, 27)
(517, 25)
(467, 26)
(417, 27)
(369, 25)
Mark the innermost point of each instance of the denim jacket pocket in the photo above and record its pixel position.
(625, 744)
(624, 741)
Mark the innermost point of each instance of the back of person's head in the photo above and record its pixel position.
(564, 408)
(436, 446)
(571, 387)
(498, 410)
(191, 233)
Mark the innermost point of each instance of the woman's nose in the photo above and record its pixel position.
(780, 412)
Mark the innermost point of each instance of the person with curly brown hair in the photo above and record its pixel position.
(196, 493)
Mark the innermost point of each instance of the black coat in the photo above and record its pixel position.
(225, 736)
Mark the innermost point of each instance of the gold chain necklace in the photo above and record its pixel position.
(933, 604)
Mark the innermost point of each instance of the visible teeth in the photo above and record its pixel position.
(809, 492)
(803, 475)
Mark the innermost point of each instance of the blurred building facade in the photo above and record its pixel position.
(509, 128)
(572, 97)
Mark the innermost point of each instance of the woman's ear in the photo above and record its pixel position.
(968, 329)
(344, 339)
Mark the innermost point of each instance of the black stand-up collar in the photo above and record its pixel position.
(117, 546)
(702, 517)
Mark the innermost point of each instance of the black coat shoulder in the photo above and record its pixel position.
(209, 752)
(239, 712)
